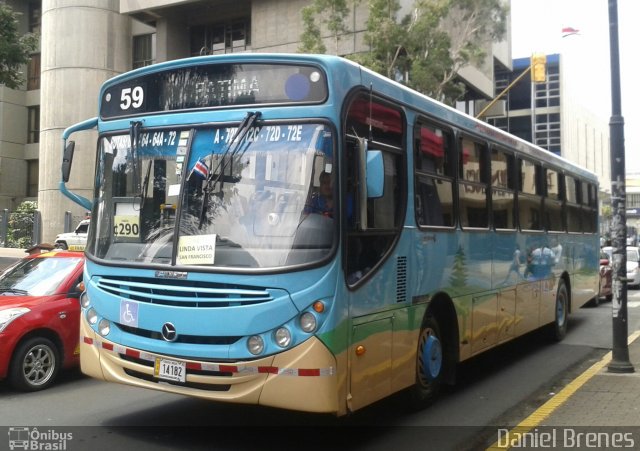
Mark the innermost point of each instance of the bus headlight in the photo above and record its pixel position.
(283, 337)
(92, 316)
(308, 322)
(255, 344)
(84, 300)
(104, 327)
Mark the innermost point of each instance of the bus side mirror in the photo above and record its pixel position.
(67, 159)
(375, 174)
(371, 176)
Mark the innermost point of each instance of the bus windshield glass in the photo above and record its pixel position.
(202, 197)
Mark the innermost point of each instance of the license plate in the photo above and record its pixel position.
(170, 370)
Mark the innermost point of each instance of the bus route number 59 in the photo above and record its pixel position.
(131, 97)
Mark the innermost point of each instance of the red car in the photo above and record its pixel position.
(40, 318)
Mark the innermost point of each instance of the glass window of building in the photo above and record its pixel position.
(33, 124)
(144, 50)
(226, 37)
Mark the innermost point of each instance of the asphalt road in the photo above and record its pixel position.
(495, 390)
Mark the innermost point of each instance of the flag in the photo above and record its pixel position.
(200, 169)
(568, 31)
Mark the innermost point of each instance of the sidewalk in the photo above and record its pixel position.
(9, 255)
(601, 397)
(597, 405)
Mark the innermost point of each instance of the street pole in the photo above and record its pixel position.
(620, 351)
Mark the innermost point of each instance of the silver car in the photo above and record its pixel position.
(633, 271)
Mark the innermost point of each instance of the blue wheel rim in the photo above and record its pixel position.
(432, 358)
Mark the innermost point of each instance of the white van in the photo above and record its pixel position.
(76, 240)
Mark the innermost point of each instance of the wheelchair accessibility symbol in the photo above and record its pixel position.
(128, 313)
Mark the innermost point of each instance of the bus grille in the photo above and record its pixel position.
(401, 279)
(191, 339)
(183, 293)
(198, 386)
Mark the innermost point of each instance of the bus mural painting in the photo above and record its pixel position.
(439, 237)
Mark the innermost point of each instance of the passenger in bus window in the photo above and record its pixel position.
(322, 201)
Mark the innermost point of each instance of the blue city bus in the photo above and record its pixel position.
(211, 272)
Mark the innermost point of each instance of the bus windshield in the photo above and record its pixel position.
(202, 197)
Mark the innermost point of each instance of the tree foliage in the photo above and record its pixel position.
(15, 50)
(21, 222)
(332, 14)
(428, 47)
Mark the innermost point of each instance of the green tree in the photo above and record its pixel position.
(311, 38)
(330, 13)
(15, 50)
(385, 38)
(21, 221)
(448, 35)
(459, 272)
(425, 49)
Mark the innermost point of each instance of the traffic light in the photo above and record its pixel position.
(538, 68)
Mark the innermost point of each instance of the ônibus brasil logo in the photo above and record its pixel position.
(32, 439)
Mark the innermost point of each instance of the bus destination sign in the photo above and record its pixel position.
(214, 85)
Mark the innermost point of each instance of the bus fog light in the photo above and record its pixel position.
(308, 322)
(255, 344)
(283, 337)
(92, 316)
(84, 300)
(104, 327)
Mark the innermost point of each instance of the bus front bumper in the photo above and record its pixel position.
(303, 378)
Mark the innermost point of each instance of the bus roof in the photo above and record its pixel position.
(418, 103)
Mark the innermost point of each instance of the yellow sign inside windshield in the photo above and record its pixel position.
(126, 226)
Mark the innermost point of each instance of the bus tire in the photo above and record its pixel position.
(34, 365)
(559, 330)
(430, 365)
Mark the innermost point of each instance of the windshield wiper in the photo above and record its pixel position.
(145, 185)
(14, 290)
(134, 133)
(227, 156)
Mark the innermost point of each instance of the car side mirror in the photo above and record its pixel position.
(76, 291)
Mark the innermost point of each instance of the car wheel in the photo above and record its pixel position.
(61, 245)
(34, 365)
(429, 365)
(559, 329)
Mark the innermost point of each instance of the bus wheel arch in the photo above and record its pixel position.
(562, 309)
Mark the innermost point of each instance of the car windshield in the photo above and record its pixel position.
(37, 276)
(632, 255)
(216, 197)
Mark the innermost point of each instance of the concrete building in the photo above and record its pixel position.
(632, 184)
(562, 125)
(85, 42)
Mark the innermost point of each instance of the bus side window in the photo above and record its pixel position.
(502, 189)
(368, 244)
(434, 177)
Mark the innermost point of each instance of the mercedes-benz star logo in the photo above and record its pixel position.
(169, 332)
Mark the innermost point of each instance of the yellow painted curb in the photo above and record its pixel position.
(558, 399)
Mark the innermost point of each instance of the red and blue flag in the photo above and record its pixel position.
(200, 169)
